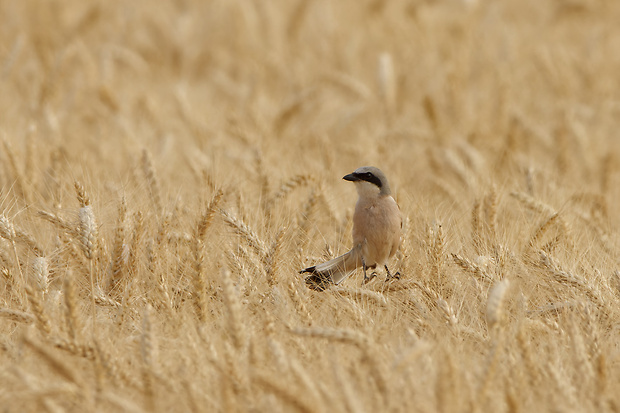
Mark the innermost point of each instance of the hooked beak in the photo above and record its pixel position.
(350, 177)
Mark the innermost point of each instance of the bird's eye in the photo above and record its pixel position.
(368, 174)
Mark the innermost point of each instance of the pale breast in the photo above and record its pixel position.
(377, 227)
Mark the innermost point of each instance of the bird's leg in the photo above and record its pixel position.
(390, 276)
(366, 277)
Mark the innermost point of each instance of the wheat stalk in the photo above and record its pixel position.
(40, 273)
(59, 367)
(136, 240)
(36, 305)
(87, 228)
(17, 316)
(283, 392)
(273, 257)
(242, 229)
(233, 313)
(116, 267)
(476, 228)
(151, 179)
(7, 231)
(71, 307)
(495, 304)
(471, 267)
(147, 353)
(199, 285)
(59, 222)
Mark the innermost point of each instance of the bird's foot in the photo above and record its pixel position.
(391, 277)
(368, 279)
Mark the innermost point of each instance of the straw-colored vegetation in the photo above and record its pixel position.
(168, 167)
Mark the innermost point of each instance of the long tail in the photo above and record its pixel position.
(333, 271)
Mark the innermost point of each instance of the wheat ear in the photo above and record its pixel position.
(61, 368)
(116, 267)
(199, 285)
(273, 257)
(151, 179)
(71, 307)
(88, 240)
(7, 231)
(247, 233)
(136, 241)
(495, 304)
(233, 306)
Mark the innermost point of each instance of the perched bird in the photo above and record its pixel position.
(377, 226)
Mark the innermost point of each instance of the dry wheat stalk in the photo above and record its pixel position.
(273, 257)
(471, 267)
(282, 390)
(71, 307)
(17, 316)
(568, 278)
(58, 366)
(10, 232)
(36, 305)
(349, 85)
(476, 228)
(490, 213)
(436, 253)
(136, 240)
(448, 312)
(147, 353)
(529, 180)
(495, 303)
(107, 301)
(80, 350)
(151, 179)
(116, 265)
(602, 382)
(542, 229)
(40, 273)
(282, 360)
(430, 110)
(531, 366)
(18, 178)
(87, 228)
(162, 235)
(360, 341)
(207, 217)
(362, 295)
(490, 372)
(581, 355)
(305, 219)
(75, 253)
(307, 383)
(289, 185)
(387, 80)
(260, 172)
(87, 225)
(59, 222)
(300, 304)
(242, 229)
(7, 231)
(565, 390)
(233, 313)
(533, 204)
(199, 285)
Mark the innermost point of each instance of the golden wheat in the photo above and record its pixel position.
(204, 144)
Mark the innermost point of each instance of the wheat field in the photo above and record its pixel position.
(168, 167)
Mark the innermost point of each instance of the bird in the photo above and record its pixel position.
(377, 228)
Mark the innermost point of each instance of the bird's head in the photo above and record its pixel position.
(369, 181)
